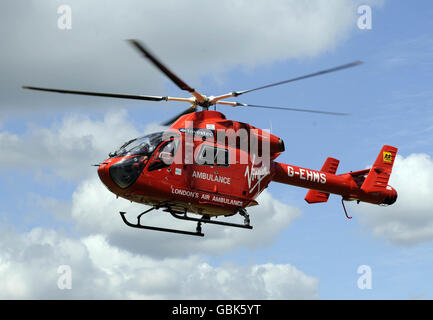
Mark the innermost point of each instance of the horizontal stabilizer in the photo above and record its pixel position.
(330, 165)
(314, 196)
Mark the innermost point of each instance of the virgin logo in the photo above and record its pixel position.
(255, 175)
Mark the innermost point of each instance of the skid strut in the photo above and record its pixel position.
(184, 216)
(244, 214)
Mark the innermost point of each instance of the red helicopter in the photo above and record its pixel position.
(210, 166)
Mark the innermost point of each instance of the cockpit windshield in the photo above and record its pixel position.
(143, 146)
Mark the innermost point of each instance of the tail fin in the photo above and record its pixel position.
(314, 196)
(378, 177)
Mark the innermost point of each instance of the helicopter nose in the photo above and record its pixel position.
(121, 173)
(104, 174)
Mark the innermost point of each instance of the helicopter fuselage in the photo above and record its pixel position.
(212, 166)
(200, 171)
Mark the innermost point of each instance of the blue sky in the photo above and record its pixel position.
(50, 141)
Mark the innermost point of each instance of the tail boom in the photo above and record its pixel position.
(369, 185)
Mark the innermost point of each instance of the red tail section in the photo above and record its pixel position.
(377, 179)
(368, 185)
(314, 196)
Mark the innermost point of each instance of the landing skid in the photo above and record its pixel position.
(184, 216)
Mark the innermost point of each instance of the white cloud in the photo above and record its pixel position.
(234, 32)
(69, 148)
(410, 219)
(29, 263)
(194, 38)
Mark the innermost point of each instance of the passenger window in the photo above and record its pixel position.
(164, 156)
(213, 156)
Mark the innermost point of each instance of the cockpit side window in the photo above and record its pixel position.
(164, 156)
(143, 146)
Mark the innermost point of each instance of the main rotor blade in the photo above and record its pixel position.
(238, 93)
(172, 120)
(237, 104)
(101, 94)
(344, 66)
(180, 83)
